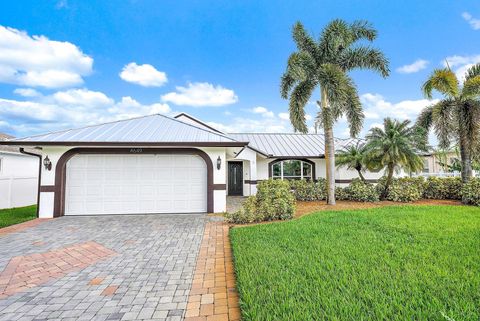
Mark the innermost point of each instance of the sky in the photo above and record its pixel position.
(70, 63)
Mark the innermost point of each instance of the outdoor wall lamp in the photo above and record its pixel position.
(219, 162)
(47, 163)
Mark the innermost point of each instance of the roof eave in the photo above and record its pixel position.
(136, 144)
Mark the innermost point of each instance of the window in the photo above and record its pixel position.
(291, 169)
(425, 166)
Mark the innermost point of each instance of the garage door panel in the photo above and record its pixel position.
(131, 184)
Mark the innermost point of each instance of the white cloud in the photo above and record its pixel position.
(416, 66)
(460, 64)
(376, 107)
(37, 61)
(474, 23)
(263, 111)
(27, 92)
(284, 116)
(200, 95)
(70, 109)
(144, 75)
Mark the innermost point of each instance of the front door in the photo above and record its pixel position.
(235, 178)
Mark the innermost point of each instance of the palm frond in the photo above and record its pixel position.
(362, 29)
(443, 122)
(298, 99)
(303, 40)
(473, 71)
(365, 58)
(442, 80)
(286, 84)
(301, 66)
(354, 112)
(471, 87)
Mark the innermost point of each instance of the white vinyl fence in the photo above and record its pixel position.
(18, 191)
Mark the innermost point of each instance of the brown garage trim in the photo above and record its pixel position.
(60, 169)
(219, 187)
(314, 176)
(47, 188)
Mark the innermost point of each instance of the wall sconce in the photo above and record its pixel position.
(219, 162)
(47, 163)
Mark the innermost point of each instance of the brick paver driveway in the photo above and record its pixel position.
(126, 267)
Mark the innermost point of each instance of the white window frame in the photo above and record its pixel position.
(282, 177)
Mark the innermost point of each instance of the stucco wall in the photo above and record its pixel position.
(54, 153)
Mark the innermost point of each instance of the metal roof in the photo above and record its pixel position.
(153, 129)
(289, 145)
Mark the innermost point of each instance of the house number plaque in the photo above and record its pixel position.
(136, 150)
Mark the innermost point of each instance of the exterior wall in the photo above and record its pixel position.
(249, 159)
(46, 209)
(18, 180)
(432, 163)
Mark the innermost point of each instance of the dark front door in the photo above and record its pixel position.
(235, 178)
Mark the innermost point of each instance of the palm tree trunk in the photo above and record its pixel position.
(329, 149)
(361, 175)
(390, 169)
(465, 158)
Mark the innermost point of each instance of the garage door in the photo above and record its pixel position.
(135, 184)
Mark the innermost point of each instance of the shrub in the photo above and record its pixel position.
(341, 193)
(406, 189)
(304, 190)
(273, 201)
(471, 192)
(361, 192)
(443, 188)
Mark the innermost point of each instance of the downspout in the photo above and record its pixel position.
(22, 150)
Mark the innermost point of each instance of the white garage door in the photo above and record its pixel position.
(135, 184)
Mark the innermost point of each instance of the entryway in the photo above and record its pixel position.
(235, 178)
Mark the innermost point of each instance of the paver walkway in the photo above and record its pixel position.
(128, 267)
(213, 296)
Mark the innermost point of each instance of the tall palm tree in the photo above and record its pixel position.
(324, 65)
(353, 157)
(394, 147)
(455, 118)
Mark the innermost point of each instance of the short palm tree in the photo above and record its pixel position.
(324, 65)
(353, 157)
(394, 147)
(455, 118)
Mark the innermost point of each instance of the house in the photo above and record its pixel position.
(159, 164)
(18, 176)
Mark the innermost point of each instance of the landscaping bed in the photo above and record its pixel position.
(11, 216)
(387, 263)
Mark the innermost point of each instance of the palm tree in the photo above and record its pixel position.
(455, 118)
(394, 147)
(353, 157)
(324, 65)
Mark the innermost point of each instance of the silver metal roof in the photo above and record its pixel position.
(289, 145)
(148, 129)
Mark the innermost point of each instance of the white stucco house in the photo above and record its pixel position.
(18, 176)
(158, 164)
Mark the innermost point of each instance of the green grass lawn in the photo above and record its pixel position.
(17, 215)
(391, 263)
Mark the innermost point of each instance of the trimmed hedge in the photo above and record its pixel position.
(306, 190)
(471, 192)
(443, 188)
(274, 201)
(361, 192)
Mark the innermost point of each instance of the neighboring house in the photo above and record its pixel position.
(440, 163)
(18, 176)
(158, 164)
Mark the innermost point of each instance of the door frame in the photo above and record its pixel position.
(228, 176)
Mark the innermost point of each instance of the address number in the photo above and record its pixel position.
(136, 150)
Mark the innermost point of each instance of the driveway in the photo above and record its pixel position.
(125, 267)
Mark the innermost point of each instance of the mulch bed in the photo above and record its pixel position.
(304, 208)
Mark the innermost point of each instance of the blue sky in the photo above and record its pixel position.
(69, 63)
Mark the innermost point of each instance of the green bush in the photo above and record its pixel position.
(361, 192)
(443, 188)
(306, 190)
(274, 201)
(405, 189)
(341, 193)
(471, 192)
